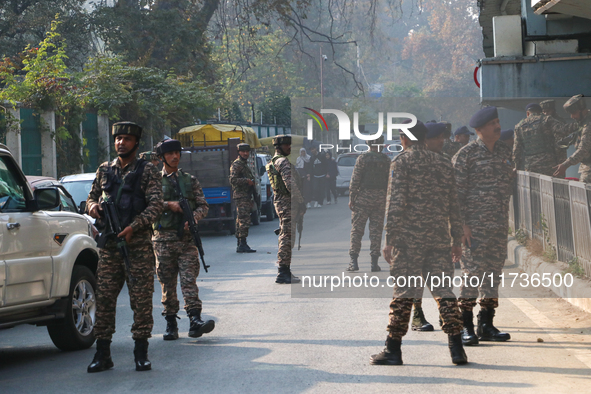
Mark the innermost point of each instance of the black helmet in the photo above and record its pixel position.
(168, 145)
(129, 128)
(282, 139)
(243, 147)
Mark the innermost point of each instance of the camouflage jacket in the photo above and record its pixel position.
(485, 183)
(150, 184)
(288, 174)
(240, 174)
(422, 205)
(370, 175)
(583, 145)
(200, 211)
(450, 148)
(535, 143)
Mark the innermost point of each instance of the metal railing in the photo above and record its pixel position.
(556, 212)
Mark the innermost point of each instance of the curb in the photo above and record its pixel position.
(579, 294)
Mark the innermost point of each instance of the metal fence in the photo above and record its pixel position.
(556, 212)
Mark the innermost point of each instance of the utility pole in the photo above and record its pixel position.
(321, 80)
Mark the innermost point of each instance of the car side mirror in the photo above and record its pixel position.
(47, 198)
(262, 171)
(82, 207)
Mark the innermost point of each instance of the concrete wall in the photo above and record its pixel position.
(104, 136)
(13, 138)
(48, 148)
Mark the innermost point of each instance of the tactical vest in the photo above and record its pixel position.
(169, 220)
(535, 143)
(127, 192)
(376, 172)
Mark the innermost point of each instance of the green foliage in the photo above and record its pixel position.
(521, 237)
(575, 268)
(549, 249)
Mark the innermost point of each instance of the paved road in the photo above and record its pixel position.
(268, 341)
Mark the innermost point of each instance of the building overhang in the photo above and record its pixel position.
(580, 8)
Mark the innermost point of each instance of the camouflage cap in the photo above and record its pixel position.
(130, 128)
(148, 156)
(282, 139)
(574, 104)
(243, 147)
(548, 105)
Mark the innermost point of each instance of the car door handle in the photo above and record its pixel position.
(12, 226)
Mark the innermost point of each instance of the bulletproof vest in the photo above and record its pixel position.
(169, 220)
(536, 143)
(127, 192)
(275, 178)
(247, 173)
(375, 175)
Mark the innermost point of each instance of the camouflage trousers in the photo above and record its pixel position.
(111, 275)
(243, 209)
(363, 210)
(541, 164)
(486, 256)
(174, 259)
(412, 263)
(286, 212)
(585, 174)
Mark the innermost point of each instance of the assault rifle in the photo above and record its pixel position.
(188, 216)
(112, 228)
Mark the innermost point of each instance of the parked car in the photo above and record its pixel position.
(345, 163)
(66, 201)
(48, 261)
(79, 186)
(267, 206)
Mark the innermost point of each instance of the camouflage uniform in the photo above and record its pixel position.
(422, 204)
(583, 148)
(484, 183)
(240, 174)
(178, 255)
(367, 192)
(535, 144)
(288, 204)
(450, 148)
(111, 272)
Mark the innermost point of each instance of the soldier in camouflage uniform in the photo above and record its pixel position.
(176, 253)
(578, 111)
(151, 157)
(289, 204)
(449, 147)
(508, 138)
(549, 109)
(422, 204)
(367, 200)
(484, 178)
(462, 135)
(136, 189)
(535, 142)
(242, 181)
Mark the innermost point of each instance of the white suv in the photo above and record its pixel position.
(48, 261)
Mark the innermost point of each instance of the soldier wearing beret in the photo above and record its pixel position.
(484, 178)
(462, 135)
(135, 187)
(422, 204)
(549, 109)
(535, 142)
(176, 253)
(289, 204)
(578, 111)
(508, 137)
(450, 147)
(367, 201)
(243, 182)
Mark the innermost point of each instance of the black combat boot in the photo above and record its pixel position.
(141, 355)
(419, 323)
(172, 329)
(391, 355)
(486, 330)
(199, 327)
(353, 266)
(374, 264)
(456, 349)
(284, 276)
(469, 337)
(102, 358)
(243, 246)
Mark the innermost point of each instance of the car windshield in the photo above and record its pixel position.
(79, 190)
(347, 161)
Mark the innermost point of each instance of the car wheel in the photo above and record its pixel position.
(270, 212)
(255, 217)
(76, 330)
